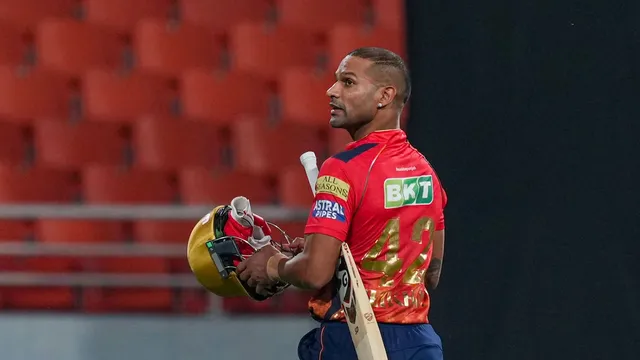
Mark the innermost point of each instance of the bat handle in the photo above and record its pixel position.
(310, 164)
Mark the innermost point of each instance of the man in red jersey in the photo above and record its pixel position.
(384, 199)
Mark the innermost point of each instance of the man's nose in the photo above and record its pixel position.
(332, 91)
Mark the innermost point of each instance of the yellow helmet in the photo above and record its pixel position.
(220, 241)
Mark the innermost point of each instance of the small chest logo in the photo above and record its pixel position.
(417, 190)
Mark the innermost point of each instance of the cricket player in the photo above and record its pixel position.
(384, 199)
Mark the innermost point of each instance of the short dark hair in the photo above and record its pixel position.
(387, 60)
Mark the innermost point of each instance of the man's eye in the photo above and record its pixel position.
(348, 82)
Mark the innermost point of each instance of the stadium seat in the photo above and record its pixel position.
(46, 298)
(162, 231)
(295, 301)
(16, 230)
(169, 144)
(79, 231)
(221, 14)
(344, 38)
(258, 148)
(71, 146)
(338, 140)
(220, 97)
(293, 187)
(125, 264)
(265, 51)
(201, 187)
(13, 47)
(36, 185)
(318, 15)
(390, 14)
(109, 96)
(293, 228)
(27, 13)
(73, 47)
(108, 300)
(32, 94)
(13, 143)
(303, 96)
(168, 49)
(246, 306)
(113, 185)
(123, 15)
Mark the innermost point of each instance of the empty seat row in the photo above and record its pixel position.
(122, 15)
(216, 97)
(111, 185)
(72, 47)
(167, 144)
(114, 231)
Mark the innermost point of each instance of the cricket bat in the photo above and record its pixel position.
(363, 326)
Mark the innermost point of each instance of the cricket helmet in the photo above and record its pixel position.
(221, 240)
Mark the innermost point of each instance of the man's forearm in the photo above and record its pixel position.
(295, 271)
(433, 274)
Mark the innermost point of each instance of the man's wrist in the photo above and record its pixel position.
(273, 266)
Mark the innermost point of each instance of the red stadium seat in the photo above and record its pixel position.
(109, 96)
(123, 15)
(13, 47)
(36, 185)
(126, 265)
(268, 51)
(199, 186)
(318, 15)
(80, 231)
(70, 146)
(73, 47)
(295, 301)
(260, 149)
(221, 97)
(15, 230)
(222, 14)
(13, 144)
(247, 306)
(27, 13)
(167, 49)
(38, 298)
(344, 38)
(303, 96)
(390, 14)
(168, 144)
(32, 94)
(101, 300)
(293, 188)
(155, 231)
(338, 140)
(112, 185)
(293, 228)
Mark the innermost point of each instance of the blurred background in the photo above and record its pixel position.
(122, 122)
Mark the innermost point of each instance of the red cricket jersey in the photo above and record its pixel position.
(384, 199)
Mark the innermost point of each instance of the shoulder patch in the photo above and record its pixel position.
(349, 155)
(333, 186)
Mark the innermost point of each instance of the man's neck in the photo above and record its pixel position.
(366, 129)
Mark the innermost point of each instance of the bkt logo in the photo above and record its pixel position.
(417, 190)
(329, 210)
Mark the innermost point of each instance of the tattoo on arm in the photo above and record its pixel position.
(433, 273)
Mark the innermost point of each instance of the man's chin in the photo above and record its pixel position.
(337, 122)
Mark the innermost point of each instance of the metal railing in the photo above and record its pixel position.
(111, 212)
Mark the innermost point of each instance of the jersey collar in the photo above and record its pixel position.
(380, 136)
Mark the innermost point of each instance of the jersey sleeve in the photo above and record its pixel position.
(334, 202)
(440, 223)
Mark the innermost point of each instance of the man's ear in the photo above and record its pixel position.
(387, 95)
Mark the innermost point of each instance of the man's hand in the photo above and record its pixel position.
(295, 247)
(254, 269)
